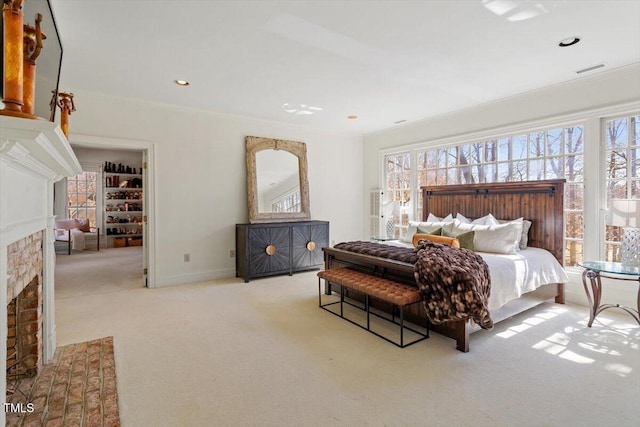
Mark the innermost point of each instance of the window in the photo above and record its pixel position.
(553, 153)
(622, 168)
(397, 191)
(289, 202)
(610, 166)
(81, 197)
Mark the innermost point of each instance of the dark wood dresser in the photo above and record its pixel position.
(269, 249)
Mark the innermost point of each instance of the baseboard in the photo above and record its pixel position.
(575, 296)
(613, 292)
(182, 279)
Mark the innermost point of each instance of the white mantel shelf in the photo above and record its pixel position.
(34, 154)
(37, 146)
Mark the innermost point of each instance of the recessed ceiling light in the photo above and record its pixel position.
(569, 41)
(181, 82)
(352, 117)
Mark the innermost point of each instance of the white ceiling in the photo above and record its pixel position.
(383, 61)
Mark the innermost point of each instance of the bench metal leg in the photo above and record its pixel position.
(401, 327)
(367, 309)
(426, 324)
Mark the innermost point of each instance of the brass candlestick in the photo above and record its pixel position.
(67, 106)
(32, 46)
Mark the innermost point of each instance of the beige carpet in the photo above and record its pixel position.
(99, 272)
(226, 353)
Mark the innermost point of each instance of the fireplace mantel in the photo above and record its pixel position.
(38, 147)
(34, 154)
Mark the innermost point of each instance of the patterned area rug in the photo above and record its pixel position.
(76, 388)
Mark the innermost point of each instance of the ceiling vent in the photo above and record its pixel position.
(595, 67)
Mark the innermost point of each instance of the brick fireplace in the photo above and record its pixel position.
(34, 154)
(24, 308)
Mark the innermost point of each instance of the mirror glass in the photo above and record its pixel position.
(277, 185)
(278, 181)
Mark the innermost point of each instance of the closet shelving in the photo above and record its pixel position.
(123, 212)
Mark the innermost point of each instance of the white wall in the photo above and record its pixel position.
(602, 90)
(201, 178)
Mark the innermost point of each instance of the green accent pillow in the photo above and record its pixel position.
(466, 239)
(436, 232)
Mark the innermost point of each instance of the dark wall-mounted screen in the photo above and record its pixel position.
(48, 63)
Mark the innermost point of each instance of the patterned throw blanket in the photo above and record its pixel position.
(454, 283)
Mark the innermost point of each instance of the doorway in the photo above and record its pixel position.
(125, 213)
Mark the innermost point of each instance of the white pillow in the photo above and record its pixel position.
(432, 224)
(461, 227)
(501, 239)
(526, 225)
(480, 221)
(491, 220)
(433, 218)
(412, 228)
(421, 227)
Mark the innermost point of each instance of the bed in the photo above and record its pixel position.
(540, 202)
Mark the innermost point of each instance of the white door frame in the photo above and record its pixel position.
(149, 200)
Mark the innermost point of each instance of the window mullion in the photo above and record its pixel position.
(594, 188)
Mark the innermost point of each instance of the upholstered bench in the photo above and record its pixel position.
(397, 294)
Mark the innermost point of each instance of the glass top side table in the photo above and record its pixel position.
(594, 272)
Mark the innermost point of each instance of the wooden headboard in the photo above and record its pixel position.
(541, 202)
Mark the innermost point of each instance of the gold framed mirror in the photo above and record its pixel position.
(277, 183)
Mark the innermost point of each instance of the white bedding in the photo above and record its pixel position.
(525, 271)
(517, 274)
